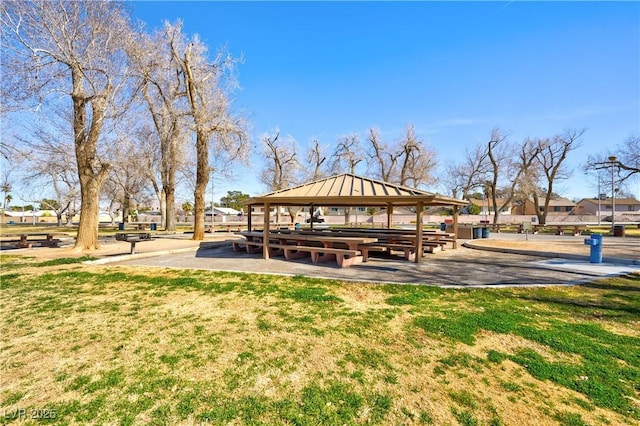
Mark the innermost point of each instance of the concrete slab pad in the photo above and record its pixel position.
(600, 269)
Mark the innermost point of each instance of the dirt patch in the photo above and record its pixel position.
(627, 249)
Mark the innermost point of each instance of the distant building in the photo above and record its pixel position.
(589, 206)
(486, 206)
(223, 211)
(556, 206)
(29, 216)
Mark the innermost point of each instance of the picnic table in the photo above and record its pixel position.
(394, 240)
(25, 239)
(346, 246)
(345, 250)
(575, 230)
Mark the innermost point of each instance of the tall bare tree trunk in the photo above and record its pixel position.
(163, 209)
(88, 227)
(169, 154)
(86, 144)
(202, 179)
(170, 211)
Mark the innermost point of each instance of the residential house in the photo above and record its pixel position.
(562, 206)
(486, 206)
(343, 211)
(29, 216)
(604, 206)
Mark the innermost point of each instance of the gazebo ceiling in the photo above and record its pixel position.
(351, 190)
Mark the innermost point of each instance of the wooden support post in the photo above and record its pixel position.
(265, 232)
(455, 226)
(250, 207)
(419, 210)
(389, 215)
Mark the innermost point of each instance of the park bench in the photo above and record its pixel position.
(408, 249)
(575, 230)
(133, 238)
(237, 227)
(344, 257)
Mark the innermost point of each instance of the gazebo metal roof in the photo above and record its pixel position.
(352, 190)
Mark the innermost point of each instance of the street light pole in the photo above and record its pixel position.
(599, 199)
(613, 159)
(212, 170)
(613, 162)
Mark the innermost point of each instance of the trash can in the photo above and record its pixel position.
(477, 233)
(153, 226)
(618, 230)
(485, 232)
(297, 226)
(121, 226)
(443, 227)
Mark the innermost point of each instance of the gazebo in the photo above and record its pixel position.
(349, 190)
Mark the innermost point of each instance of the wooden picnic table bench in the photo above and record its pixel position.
(573, 229)
(322, 248)
(230, 226)
(23, 239)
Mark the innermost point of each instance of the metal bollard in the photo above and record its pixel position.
(595, 243)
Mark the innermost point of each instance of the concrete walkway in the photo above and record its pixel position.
(477, 265)
(501, 260)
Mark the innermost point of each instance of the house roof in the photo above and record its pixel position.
(619, 201)
(226, 210)
(488, 202)
(561, 202)
(352, 190)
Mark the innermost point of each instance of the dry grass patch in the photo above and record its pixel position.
(133, 346)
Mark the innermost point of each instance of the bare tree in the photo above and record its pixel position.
(382, 160)
(528, 176)
(315, 162)
(49, 162)
(282, 166)
(163, 91)
(282, 162)
(407, 162)
(347, 155)
(207, 83)
(471, 173)
(418, 161)
(504, 173)
(127, 180)
(550, 162)
(628, 154)
(627, 160)
(69, 54)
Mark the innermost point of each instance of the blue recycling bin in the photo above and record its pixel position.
(121, 226)
(477, 233)
(297, 226)
(485, 232)
(153, 226)
(443, 227)
(595, 245)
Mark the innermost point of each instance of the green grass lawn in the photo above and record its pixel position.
(120, 345)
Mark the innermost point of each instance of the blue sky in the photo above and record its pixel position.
(455, 70)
